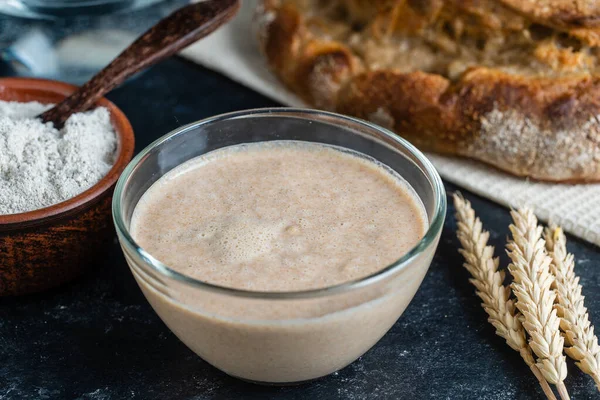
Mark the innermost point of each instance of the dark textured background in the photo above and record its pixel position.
(98, 338)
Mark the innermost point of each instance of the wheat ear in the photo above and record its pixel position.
(574, 322)
(489, 282)
(531, 285)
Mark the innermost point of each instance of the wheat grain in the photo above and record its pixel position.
(489, 283)
(574, 321)
(531, 285)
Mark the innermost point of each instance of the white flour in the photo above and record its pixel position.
(40, 165)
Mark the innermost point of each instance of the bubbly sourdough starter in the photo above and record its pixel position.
(280, 216)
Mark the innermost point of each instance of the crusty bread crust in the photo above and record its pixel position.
(545, 127)
(560, 13)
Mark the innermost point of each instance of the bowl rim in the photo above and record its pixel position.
(124, 153)
(434, 229)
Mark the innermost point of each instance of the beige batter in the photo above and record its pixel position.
(280, 216)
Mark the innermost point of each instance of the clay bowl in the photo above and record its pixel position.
(44, 248)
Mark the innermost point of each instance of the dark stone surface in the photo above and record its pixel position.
(98, 338)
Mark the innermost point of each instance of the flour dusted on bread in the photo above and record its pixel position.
(439, 71)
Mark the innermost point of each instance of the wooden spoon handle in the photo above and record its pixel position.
(167, 37)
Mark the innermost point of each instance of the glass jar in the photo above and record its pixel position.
(71, 40)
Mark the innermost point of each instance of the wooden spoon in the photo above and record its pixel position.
(167, 37)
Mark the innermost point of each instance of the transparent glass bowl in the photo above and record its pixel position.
(279, 337)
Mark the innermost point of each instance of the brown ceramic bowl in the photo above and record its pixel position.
(44, 248)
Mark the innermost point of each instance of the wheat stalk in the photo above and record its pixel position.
(532, 283)
(574, 322)
(489, 282)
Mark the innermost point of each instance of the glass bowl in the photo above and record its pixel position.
(279, 337)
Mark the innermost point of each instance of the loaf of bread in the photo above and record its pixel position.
(512, 83)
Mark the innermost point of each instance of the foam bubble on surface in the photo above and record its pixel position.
(279, 216)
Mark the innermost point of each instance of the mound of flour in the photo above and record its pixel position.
(40, 165)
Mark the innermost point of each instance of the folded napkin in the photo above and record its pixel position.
(233, 51)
